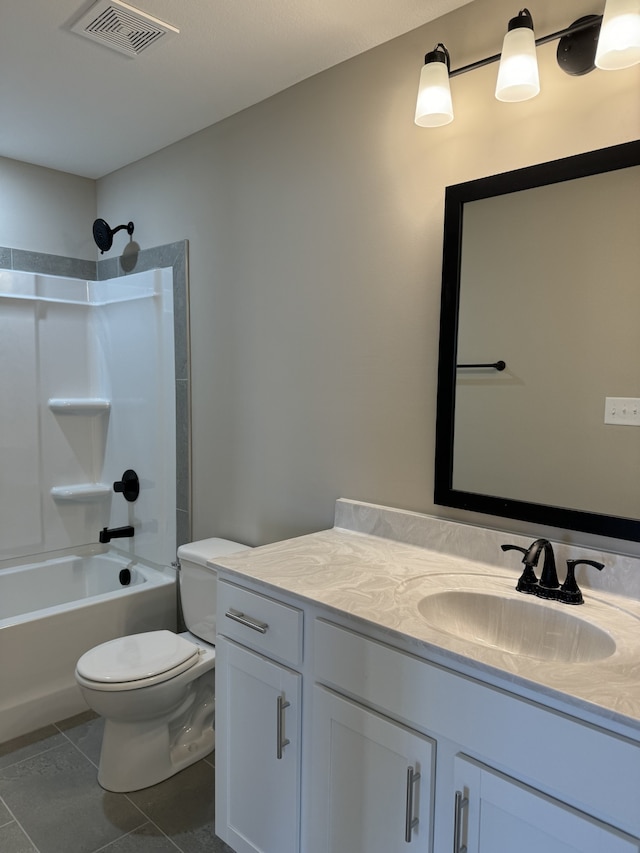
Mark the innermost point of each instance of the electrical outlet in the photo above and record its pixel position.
(622, 410)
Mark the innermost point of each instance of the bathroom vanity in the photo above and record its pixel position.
(358, 710)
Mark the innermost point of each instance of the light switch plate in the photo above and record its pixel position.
(622, 410)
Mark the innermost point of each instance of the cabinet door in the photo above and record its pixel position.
(496, 814)
(257, 752)
(372, 781)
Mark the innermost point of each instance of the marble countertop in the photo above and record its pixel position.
(381, 581)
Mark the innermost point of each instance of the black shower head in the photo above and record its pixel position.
(103, 235)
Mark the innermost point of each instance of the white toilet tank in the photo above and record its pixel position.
(198, 584)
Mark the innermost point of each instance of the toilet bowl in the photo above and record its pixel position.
(156, 690)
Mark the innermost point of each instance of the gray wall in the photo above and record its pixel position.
(315, 228)
(45, 211)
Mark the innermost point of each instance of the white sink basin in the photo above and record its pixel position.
(521, 626)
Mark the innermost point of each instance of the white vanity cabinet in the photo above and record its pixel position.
(392, 751)
(258, 722)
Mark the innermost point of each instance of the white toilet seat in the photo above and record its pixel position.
(136, 661)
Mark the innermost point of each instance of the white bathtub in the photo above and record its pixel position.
(52, 612)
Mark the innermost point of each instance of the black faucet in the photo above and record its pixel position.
(528, 582)
(548, 583)
(548, 586)
(107, 535)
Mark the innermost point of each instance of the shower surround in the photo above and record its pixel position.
(87, 385)
(87, 390)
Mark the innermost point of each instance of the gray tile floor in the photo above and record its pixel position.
(50, 800)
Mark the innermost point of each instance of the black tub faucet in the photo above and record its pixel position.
(106, 534)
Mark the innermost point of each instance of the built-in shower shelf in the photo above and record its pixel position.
(79, 405)
(81, 492)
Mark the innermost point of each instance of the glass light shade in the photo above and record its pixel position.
(434, 107)
(619, 40)
(518, 78)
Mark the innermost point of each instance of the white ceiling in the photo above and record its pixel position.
(71, 104)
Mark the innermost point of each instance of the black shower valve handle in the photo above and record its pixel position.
(129, 486)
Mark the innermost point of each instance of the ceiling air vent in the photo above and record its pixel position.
(122, 27)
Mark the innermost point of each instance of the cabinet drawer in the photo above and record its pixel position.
(260, 623)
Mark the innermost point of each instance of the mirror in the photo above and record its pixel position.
(541, 272)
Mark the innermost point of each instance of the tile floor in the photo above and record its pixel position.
(50, 800)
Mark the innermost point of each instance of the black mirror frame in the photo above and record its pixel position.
(569, 168)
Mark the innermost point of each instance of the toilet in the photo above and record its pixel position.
(156, 690)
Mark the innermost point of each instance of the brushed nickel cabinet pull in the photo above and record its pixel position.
(247, 621)
(460, 804)
(410, 822)
(281, 741)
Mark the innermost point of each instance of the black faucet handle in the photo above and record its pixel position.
(569, 592)
(527, 582)
(514, 548)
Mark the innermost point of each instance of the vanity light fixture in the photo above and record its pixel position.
(434, 107)
(619, 42)
(518, 78)
(610, 41)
